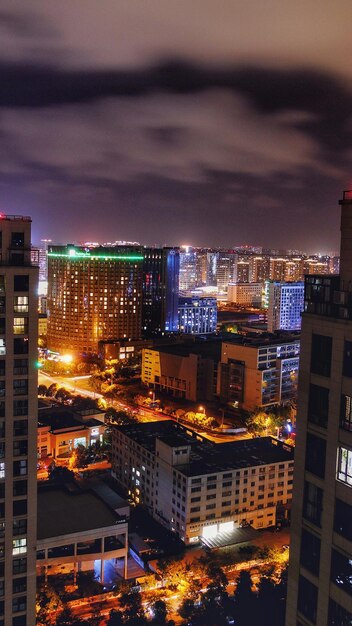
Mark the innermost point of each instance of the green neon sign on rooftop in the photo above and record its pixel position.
(79, 256)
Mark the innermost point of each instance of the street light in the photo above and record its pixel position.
(152, 393)
(202, 408)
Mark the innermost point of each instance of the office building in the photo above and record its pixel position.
(187, 371)
(188, 270)
(200, 489)
(245, 294)
(93, 294)
(320, 571)
(18, 429)
(285, 305)
(197, 316)
(160, 291)
(258, 372)
(225, 269)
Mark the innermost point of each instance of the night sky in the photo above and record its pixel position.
(204, 122)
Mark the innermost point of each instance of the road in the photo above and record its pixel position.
(144, 414)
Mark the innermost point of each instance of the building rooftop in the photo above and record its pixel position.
(62, 512)
(63, 418)
(206, 456)
(208, 349)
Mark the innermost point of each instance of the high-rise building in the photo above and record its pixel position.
(160, 291)
(286, 302)
(18, 422)
(93, 294)
(188, 269)
(197, 316)
(225, 267)
(320, 572)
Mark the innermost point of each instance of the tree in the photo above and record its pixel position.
(60, 475)
(42, 390)
(63, 395)
(133, 610)
(159, 612)
(48, 602)
(262, 423)
(79, 456)
(66, 618)
(52, 389)
(244, 599)
(115, 618)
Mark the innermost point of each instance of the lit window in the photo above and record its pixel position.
(19, 546)
(344, 465)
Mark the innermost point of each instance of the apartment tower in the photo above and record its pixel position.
(18, 422)
(320, 572)
(93, 294)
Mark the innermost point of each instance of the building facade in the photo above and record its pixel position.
(320, 572)
(93, 294)
(160, 291)
(198, 488)
(285, 305)
(197, 316)
(18, 408)
(183, 371)
(258, 372)
(245, 294)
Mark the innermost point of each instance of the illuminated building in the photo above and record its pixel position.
(18, 405)
(258, 372)
(260, 269)
(188, 270)
(186, 371)
(277, 269)
(242, 273)
(245, 294)
(320, 571)
(93, 294)
(160, 291)
(197, 316)
(285, 305)
(200, 489)
(81, 530)
(225, 268)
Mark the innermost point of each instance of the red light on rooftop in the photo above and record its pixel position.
(347, 194)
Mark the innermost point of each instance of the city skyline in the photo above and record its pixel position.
(172, 119)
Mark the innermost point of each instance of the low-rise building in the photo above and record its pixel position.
(245, 294)
(198, 488)
(187, 371)
(256, 372)
(78, 531)
(60, 430)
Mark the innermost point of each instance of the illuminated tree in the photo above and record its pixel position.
(133, 611)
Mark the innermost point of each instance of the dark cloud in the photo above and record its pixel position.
(325, 101)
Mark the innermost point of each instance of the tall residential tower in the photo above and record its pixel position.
(18, 422)
(320, 572)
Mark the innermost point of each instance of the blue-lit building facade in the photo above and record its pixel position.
(197, 316)
(160, 291)
(285, 305)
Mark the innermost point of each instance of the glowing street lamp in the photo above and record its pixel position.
(202, 408)
(152, 394)
(67, 358)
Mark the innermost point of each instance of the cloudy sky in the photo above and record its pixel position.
(210, 122)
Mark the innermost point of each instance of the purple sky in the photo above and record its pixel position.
(210, 122)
